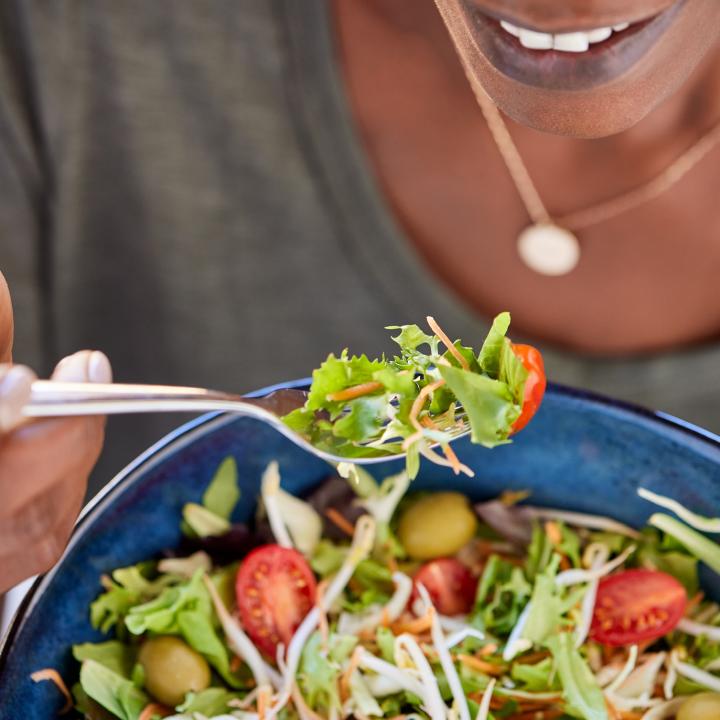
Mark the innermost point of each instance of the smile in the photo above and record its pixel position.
(574, 59)
(573, 42)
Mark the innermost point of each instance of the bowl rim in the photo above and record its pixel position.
(209, 421)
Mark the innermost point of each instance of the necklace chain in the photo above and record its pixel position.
(600, 212)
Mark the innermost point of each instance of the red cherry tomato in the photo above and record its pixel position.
(534, 385)
(275, 589)
(450, 584)
(635, 606)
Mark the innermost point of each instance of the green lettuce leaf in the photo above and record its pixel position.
(490, 407)
(490, 357)
(128, 587)
(185, 610)
(694, 542)
(223, 492)
(203, 522)
(679, 564)
(411, 337)
(386, 643)
(318, 675)
(503, 592)
(114, 692)
(210, 702)
(113, 654)
(580, 688)
(366, 417)
(548, 605)
(535, 678)
(340, 373)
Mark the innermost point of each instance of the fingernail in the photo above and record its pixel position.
(15, 386)
(99, 369)
(73, 368)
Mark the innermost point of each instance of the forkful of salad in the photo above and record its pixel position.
(431, 393)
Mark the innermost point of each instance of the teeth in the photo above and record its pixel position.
(536, 40)
(596, 36)
(507, 27)
(571, 42)
(565, 42)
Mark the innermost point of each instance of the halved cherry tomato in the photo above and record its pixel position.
(275, 589)
(634, 606)
(450, 584)
(534, 385)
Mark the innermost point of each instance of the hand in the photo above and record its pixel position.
(44, 465)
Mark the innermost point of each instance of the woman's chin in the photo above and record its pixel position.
(583, 119)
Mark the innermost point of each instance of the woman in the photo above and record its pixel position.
(221, 193)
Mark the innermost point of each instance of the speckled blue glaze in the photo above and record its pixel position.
(581, 452)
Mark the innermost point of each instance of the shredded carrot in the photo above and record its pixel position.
(339, 520)
(246, 702)
(392, 563)
(153, 709)
(417, 405)
(452, 459)
(413, 627)
(54, 677)
(552, 530)
(355, 391)
(322, 621)
(532, 658)
(344, 684)
(262, 704)
(489, 649)
(447, 342)
(694, 602)
(235, 663)
(449, 453)
(481, 665)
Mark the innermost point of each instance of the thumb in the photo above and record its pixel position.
(6, 321)
(15, 385)
(84, 366)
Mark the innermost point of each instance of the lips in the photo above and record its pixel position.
(586, 56)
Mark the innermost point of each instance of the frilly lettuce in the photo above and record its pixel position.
(360, 407)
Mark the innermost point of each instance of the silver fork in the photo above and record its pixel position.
(62, 399)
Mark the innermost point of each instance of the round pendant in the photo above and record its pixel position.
(549, 249)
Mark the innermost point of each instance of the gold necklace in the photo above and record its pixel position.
(550, 246)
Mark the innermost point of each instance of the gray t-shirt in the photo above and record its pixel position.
(181, 186)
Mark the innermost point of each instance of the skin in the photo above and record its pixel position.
(446, 184)
(53, 458)
(654, 268)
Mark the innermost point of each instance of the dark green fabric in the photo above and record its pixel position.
(181, 187)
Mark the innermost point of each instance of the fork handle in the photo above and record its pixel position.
(59, 399)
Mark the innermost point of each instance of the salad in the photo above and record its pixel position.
(359, 407)
(364, 600)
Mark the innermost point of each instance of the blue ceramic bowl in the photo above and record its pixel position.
(581, 452)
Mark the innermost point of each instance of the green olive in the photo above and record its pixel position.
(705, 706)
(437, 525)
(172, 669)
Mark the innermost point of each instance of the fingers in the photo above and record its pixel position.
(84, 366)
(6, 322)
(15, 384)
(44, 468)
